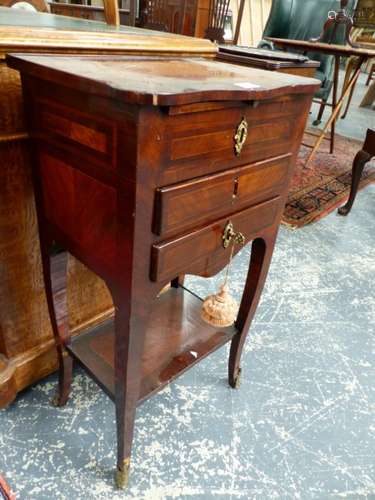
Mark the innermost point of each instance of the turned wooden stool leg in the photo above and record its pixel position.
(360, 160)
(55, 282)
(261, 254)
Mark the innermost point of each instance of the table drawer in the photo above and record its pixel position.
(202, 251)
(199, 143)
(200, 201)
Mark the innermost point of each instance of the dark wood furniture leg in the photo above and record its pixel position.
(320, 113)
(261, 254)
(129, 340)
(362, 157)
(58, 311)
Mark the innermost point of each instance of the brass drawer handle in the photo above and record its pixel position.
(240, 136)
(230, 235)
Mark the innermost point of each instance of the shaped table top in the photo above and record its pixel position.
(161, 81)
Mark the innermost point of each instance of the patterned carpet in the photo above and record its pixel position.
(322, 186)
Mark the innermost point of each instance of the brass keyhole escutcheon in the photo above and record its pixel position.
(240, 136)
(229, 235)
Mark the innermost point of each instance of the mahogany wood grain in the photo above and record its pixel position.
(194, 80)
(183, 340)
(103, 212)
(195, 252)
(183, 206)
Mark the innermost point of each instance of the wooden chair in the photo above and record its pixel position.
(303, 20)
(362, 157)
(174, 16)
(216, 19)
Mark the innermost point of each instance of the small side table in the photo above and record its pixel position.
(141, 167)
(362, 157)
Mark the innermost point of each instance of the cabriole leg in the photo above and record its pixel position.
(55, 281)
(261, 253)
(360, 160)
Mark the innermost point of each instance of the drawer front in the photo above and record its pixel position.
(197, 251)
(200, 143)
(200, 201)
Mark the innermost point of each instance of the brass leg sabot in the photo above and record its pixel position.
(122, 475)
(236, 382)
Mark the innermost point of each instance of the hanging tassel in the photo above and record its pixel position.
(221, 309)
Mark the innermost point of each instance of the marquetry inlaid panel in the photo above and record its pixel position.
(26, 340)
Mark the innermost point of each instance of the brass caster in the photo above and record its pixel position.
(236, 382)
(122, 475)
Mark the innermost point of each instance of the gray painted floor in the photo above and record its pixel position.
(301, 426)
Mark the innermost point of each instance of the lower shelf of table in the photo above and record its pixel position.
(176, 339)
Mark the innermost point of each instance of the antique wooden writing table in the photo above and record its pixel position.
(338, 51)
(140, 163)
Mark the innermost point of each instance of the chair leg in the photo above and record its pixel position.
(360, 160)
(318, 120)
(261, 253)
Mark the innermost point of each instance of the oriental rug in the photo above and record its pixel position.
(324, 185)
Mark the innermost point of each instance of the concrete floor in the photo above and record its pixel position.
(301, 426)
